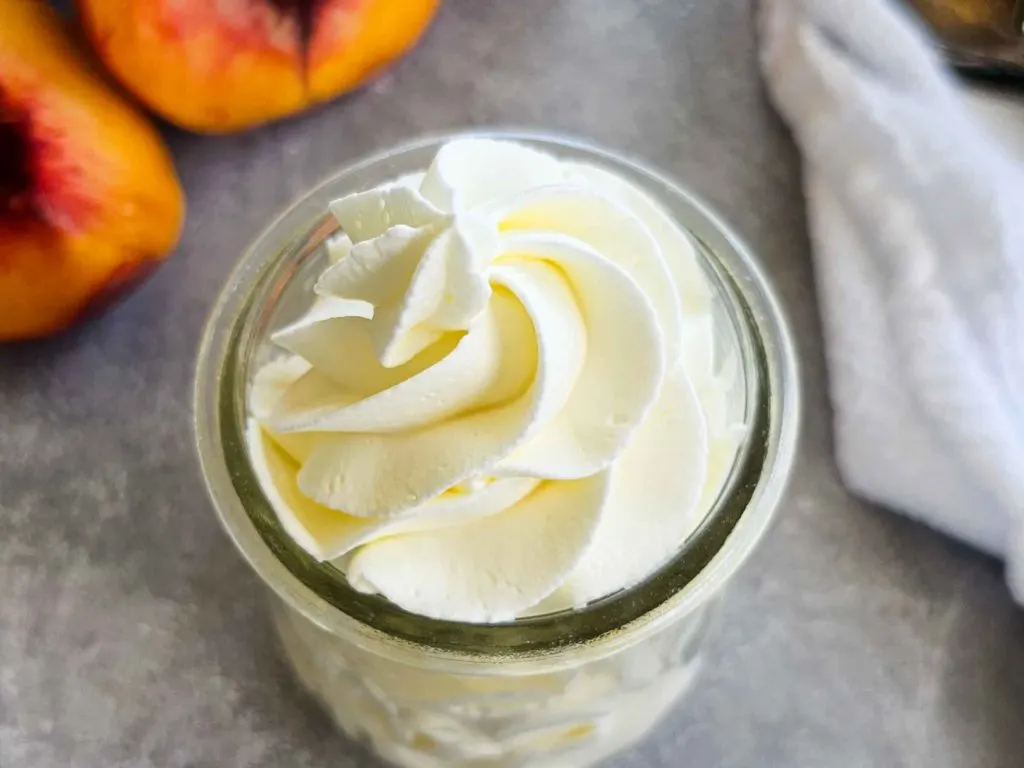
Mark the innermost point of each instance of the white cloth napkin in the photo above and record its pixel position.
(917, 224)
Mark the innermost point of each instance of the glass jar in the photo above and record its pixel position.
(562, 689)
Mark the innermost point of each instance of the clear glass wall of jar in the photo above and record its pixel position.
(565, 689)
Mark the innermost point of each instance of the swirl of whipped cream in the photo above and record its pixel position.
(502, 399)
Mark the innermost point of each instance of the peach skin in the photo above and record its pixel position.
(216, 67)
(89, 200)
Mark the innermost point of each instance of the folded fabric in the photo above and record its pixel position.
(916, 213)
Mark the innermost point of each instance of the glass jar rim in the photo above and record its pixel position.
(728, 534)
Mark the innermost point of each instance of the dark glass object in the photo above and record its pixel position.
(980, 37)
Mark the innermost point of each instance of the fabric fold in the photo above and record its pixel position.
(918, 243)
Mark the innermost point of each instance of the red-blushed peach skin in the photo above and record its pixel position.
(354, 39)
(89, 200)
(225, 65)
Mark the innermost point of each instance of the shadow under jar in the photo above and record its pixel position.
(561, 689)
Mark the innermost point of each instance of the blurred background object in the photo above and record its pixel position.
(981, 37)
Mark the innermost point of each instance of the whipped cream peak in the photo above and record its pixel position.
(421, 269)
(502, 393)
(468, 174)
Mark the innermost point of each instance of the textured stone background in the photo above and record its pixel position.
(132, 635)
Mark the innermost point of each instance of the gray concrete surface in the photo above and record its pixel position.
(132, 635)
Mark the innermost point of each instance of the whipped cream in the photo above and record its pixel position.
(502, 400)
